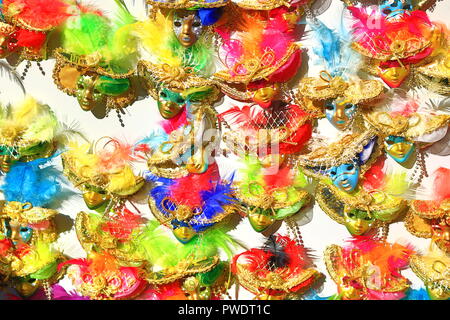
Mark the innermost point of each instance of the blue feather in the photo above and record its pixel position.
(209, 16)
(155, 139)
(32, 182)
(334, 49)
(419, 294)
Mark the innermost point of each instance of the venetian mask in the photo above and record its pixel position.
(350, 289)
(398, 148)
(183, 231)
(340, 113)
(265, 95)
(170, 103)
(260, 219)
(395, 8)
(441, 233)
(358, 222)
(19, 233)
(95, 198)
(187, 27)
(437, 292)
(394, 76)
(10, 155)
(345, 176)
(88, 94)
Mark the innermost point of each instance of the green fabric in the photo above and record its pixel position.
(112, 87)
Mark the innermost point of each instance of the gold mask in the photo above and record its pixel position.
(87, 95)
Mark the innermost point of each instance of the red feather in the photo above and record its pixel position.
(441, 184)
(187, 190)
(283, 178)
(122, 225)
(174, 123)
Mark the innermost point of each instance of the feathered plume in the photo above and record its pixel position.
(35, 182)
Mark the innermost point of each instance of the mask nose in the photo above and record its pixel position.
(187, 27)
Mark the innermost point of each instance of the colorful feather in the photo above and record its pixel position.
(34, 182)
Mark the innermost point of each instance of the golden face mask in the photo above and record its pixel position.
(394, 76)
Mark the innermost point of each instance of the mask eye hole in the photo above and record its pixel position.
(367, 218)
(387, 11)
(162, 94)
(196, 24)
(351, 215)
(348, 106)
(180, 100)
(407, 7)
(329, 107)
(389, 142)
(177, 23)
(333, 173)
(350, 167)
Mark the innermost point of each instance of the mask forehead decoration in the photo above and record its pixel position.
(26, 27)
(270, 193)
(287, 269)
(353, 267)
(21, 140)
(98, 71)
(394, 51)
(193, 204)
(102, 172)
(28, 227)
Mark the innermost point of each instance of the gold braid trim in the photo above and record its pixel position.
(25, 212)
(187, 4)
(341, 152)
(434, 213)
(328, 87)
(431, 270)
(417, 226)
(183, 269)
(257, 71)
(181, 214)
(267, 201)
(282, 281)
(410, 127)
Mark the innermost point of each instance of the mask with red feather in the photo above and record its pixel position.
(395, 46)
(278, 269)
(260, 46)
(28, 24)
(368, 269)
(192, 204)
(270, 192)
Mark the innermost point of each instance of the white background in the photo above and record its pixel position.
(318, 230)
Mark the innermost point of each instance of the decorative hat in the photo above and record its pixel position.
(279, 268)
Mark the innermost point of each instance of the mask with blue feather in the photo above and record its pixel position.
(338, 90)
(27, 225)
(192, 204)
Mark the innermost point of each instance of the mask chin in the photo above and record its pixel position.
(184, 234)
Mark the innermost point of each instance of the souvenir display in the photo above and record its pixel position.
(257, 136)
(280, 268)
